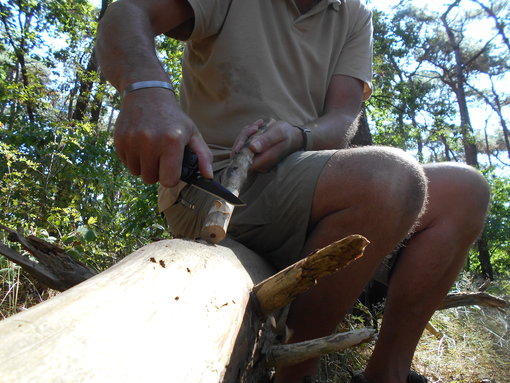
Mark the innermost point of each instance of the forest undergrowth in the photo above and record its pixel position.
(472, 344)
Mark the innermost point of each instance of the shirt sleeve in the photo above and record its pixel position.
(356, 56)
(209, 17)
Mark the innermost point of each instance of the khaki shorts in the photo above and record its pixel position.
(275, 221)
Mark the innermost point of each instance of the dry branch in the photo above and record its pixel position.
(297, 352)
(469, 299)
(280, 289)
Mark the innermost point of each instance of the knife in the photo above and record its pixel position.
(191, 175)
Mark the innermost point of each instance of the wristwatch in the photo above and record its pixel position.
(307, 138)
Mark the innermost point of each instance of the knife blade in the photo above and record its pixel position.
(191, 175)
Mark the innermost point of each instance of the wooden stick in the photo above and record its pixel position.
(468, 299)
(216, 223)
(434, 331)
(297, 352)
(280, 289)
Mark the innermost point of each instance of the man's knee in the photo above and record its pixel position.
(381, 177)
(398, 176)
(461, 192)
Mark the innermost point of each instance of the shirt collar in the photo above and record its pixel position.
(335, 4)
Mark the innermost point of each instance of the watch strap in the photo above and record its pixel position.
(307, 138)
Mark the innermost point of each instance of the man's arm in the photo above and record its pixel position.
(151, 129)
(333, 130)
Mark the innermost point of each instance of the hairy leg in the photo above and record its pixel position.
(428, 266)
(375, 192)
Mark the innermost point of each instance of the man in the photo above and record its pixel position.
(305, 63)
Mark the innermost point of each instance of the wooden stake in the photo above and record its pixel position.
(280, 289)
(218, 218)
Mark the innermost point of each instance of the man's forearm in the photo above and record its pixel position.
(125, 39)
(151, 130)
(336, 127)
(333, 130)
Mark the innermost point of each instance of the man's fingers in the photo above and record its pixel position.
(149, 168)
(205, 157)
(273, 136)
(133, 164)
(245, 134)
(170, 166)
(264, 161)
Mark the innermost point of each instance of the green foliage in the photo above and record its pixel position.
(60, 178)
(421, 88)
(497, 225)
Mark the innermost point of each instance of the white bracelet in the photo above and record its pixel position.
(146, 84)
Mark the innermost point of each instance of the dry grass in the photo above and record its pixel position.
(17, 291)
(473, 345)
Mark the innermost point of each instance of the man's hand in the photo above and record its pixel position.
(278, 141)
(150, 135)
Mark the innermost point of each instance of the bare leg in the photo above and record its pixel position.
(428, 266)
(375, 192)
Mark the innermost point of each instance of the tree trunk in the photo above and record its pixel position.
(86, 82)
(485, 257)
(468, 140)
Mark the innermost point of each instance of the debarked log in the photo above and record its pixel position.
(173, 311)
(169, 312)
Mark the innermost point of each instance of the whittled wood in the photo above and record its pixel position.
(280, 289)
(216, 223)
(298, 352)
(170, 312)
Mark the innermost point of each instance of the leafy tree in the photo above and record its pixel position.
(59, 176)
(428, 76)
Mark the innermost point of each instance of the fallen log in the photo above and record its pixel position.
(175, 310)
(54, 267)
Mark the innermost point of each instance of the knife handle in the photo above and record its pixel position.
(189, 165)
